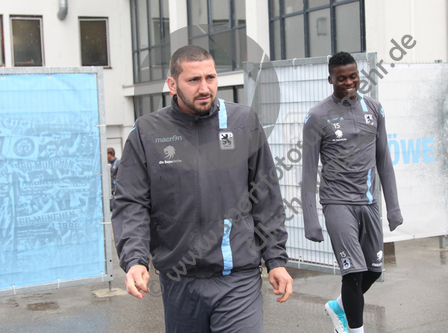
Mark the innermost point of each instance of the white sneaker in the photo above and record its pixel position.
(337, 316)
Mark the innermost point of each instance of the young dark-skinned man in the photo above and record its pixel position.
(348, 131)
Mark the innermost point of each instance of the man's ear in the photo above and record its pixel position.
(172, 86)
(330, 81)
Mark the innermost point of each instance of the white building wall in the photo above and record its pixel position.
(425, 21)
(61, 48)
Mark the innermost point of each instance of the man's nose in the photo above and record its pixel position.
(203, 86)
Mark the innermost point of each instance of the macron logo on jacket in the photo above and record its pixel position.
(173, 138)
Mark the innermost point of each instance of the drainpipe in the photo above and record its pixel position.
(63, 9)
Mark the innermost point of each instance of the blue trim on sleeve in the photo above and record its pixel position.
(222, 114)
(382, 112)
(225, 248)
(369, 184)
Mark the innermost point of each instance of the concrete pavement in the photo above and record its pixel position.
(412, 299)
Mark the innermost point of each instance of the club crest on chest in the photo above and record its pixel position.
(226, 140)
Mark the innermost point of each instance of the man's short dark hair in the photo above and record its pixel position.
(340, 59)
(187, 53)
(111, 151)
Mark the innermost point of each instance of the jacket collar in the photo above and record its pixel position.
(347, 103)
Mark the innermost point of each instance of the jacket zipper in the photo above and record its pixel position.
(198, 126)
(354, 117)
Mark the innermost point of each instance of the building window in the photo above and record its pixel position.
(150, 39)
(233, 94)
(312, 28)
(145, 104)
(220, 27)
(2, 47)
(94, 42)
(27, 41)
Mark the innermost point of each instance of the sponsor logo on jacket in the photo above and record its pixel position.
(169, 152)
(339, 135)
(173, 138)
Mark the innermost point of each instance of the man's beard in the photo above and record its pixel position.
(201, 110)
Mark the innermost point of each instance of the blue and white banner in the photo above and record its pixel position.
(50, 179)
(416, 112)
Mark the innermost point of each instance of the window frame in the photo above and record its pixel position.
(233, 27)
(234, 90)
(92, 19)
(165, 98)
(2, 44)
(332, 5)
(137, 51)
(27, 18)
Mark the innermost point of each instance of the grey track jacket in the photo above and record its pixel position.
(184, 194)
(351, 139)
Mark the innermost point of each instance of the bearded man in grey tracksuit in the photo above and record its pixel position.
(197, 190)
(348, 131)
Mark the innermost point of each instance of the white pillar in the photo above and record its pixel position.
(257, 24)
(178, 20)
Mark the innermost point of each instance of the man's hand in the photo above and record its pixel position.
(282, 283)
(137, 280)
